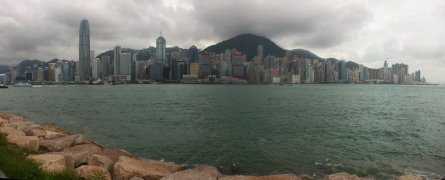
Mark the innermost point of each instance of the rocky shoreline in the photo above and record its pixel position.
(55, 149)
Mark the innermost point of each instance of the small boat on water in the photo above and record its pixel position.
(20, 84)
(3, 86)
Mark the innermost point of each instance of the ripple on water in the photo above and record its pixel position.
(376, 131)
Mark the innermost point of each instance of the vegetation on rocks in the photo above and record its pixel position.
(15, 165)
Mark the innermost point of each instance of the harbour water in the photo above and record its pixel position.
(369, 130)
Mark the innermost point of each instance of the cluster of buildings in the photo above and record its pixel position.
(193, 66)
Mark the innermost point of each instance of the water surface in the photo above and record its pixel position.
(369, 130)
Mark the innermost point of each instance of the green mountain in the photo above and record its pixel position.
(247, 44)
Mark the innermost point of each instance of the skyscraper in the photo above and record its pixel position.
(193, 54)
(84, 51)
(160, 50)
(117, 60)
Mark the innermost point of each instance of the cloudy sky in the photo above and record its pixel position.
(365, 31)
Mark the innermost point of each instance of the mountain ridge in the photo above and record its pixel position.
(247, 44)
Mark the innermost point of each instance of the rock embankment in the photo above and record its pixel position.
(56, 149)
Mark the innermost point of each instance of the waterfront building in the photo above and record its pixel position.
(205, 62)
(254, 72)
(178, 69)
(99, 68)
(193, 54)
(65, 65)
(260, 53)
(12, 74)
(160, 50)
(84, 51)
(58, 73)
(238, 58)
(72, 70)
(125, 66)
(343, 71)
(223, 66)
(51, 71)
(91, 62)
(141, 70)
(94, 67)
(39, 74)
(194, 69)
(117, 60)
(238, 71)
(228, 55)
(133, 66)
(156, 72)
(204, 71)
(361, 72)
(106, 67)
(309, 74)
(417, 76)
(205, 58)
(28, 74)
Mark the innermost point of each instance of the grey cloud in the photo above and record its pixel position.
(308, 23)
(366, 31)
(42, 25)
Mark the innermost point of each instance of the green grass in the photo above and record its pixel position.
(14, 164)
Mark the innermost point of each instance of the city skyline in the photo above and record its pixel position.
(378, 31)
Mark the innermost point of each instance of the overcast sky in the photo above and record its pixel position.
(367, 32)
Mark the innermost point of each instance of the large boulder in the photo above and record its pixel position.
(49, 162)
(101, 161)
(35, 132)
(3, 121)
(126, 168)
(270, 177)
(10, 117)
(342, 176)
(202, 172)
(14, 118)
(62, 143)
(11, 131)
(29, 142)
(25, 125)
(409, 177)
(54, 128)
(114, 154)
(53, 135)
(93, 172)
(81, 154)
(4, 116)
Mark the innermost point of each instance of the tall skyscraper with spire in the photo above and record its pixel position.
(160, 50)
(84, 51)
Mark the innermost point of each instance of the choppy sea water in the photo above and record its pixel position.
(369, 130)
